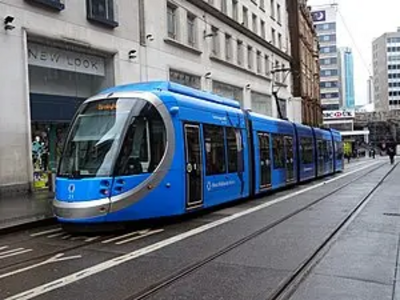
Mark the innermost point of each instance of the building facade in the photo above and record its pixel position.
(386, 65)
(324, 18)
(370, 90)
(57, 53)
(305, 61)
(346, 73)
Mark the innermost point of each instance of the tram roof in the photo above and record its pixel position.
(158, 86)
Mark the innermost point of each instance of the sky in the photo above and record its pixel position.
(359, 23)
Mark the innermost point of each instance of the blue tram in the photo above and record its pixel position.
(159, 149)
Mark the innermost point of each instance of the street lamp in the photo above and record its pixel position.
(275, 89)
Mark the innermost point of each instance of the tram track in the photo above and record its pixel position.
(287, 284)
(287, 288)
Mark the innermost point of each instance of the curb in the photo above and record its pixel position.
(28, 225)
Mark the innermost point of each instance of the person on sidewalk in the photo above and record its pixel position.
(391, 152)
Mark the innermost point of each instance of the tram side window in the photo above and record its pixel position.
(143, 147)
(321, 150)
(215, 149)
(339, 150)
(235, 153)
(328, 150)
(278, 151)
(306, 150)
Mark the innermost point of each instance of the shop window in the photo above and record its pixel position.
(52, 4)
(102, 11)
(235, 154)
(185, 78)
(215, 149)
(279, 151)
(306, 150)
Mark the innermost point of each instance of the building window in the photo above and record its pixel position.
(214, 139)
(278, 13)
(258, 62)
(249, 57)
(191, 29)
(228, 47)
(266, 65)
(273, 39)
(101, 11)
(255, 23)
(280, 41)
(215, 41)
(245, 17)
(211, 2)
(277, 73)
(330, 49)
(224, 6)
(235, 13)
(54, 4)
(326, 26)
(279, 151)
(227, 91)
(171, 16)
(272, 9)
(239, 52)
(261, 103)
(185, 78)
(262, 25)
(284, 75)
(262, 4)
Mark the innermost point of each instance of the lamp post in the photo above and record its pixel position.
(276, 91)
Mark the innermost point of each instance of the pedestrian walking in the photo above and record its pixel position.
(391, 152)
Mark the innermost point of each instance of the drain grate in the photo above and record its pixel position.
(392, 214)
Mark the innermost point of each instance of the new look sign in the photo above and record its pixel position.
(54, 58)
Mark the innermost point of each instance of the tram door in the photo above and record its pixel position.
(289, 158)
(194, 169)
(265, 160)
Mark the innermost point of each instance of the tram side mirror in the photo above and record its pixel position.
(174, 110)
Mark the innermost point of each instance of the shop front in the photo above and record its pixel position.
(61, 77)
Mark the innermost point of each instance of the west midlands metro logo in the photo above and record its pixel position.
(319, 16)
(209, 186)
(71, 188)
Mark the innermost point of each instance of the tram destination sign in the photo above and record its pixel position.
(338, 114)
(55, 58)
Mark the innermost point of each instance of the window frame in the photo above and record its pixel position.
(191, 24)
(239, 161)
(224, 166)
(107, 21)
(215, 41)
(174, 33)
(278, 153)
(51, 4)
(307, 154)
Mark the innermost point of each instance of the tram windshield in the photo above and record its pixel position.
(96, 143)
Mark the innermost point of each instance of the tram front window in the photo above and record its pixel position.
(97, 133)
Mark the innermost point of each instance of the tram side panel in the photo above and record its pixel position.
(307, 152)
(324, 151)
(223, 151)
(275, 155)
(338, 147)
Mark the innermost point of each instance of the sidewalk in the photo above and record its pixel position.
(364, 262)
(22, 210)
